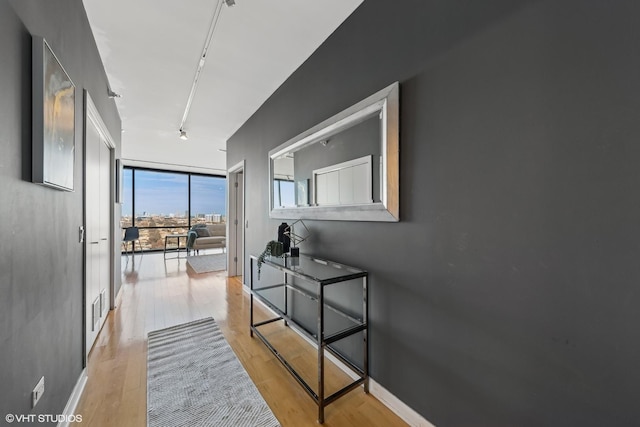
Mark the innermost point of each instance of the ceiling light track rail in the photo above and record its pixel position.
(201, 63)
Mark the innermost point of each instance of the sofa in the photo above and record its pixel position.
(209, 236)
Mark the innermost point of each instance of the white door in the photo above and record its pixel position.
(98, 226)
(92, 242)
(105, 227)
(236, 221)
(239, 224)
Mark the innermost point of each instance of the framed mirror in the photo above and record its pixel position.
(345, 168)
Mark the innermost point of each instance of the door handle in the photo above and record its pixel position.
(95, 243)
(104, 238)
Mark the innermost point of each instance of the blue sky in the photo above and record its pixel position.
(167, 193)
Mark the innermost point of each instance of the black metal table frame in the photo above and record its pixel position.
(323, 342)
(177, 249)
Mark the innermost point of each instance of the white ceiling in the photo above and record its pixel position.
(151, 49)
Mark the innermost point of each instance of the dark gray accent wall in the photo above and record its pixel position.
(508, 292)
(41, 259)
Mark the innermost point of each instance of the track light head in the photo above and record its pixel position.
(230, 2)
(183, 135)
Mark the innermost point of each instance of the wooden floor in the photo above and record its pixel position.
(157, 294)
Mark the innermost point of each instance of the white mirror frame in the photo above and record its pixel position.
(386, 104)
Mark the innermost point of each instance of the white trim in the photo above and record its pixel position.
(232, 215)
(94, 115)
(389, 400)
(365, 160)
(72, 403)
(345, 119)
(344, 165)
(397, 406)
(237, 167)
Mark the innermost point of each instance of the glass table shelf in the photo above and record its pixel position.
(278, 281)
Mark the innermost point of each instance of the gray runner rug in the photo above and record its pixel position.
(208, 263)
(195, 379)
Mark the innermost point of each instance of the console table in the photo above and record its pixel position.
(309, 278)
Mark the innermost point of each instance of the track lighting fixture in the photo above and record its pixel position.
(183, 135)
(201, 61)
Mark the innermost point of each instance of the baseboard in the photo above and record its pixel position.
(72, 403)
(397, 406)
(117, 301)
(388, 399)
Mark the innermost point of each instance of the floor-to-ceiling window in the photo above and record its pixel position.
(161, 203)
(208, 199)
(283, 193)
(126, 208)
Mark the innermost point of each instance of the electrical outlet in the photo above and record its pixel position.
(37, 392)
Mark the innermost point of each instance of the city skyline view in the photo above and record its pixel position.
(163, 203)
(166, 194)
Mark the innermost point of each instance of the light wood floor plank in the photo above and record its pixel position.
(158, 293)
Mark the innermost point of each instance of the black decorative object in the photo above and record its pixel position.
(283, 237)
(298, 236)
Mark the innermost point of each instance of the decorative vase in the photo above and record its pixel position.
(284, 238)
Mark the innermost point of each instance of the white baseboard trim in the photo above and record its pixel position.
(72, 403)
(389, 400)
(397, 406)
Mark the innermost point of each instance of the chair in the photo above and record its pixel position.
(191, 239)
(131, 234)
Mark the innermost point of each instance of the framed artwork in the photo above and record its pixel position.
(53, 119)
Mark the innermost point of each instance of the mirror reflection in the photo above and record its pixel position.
(345, 168)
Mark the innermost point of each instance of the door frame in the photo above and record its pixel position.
(91, 114)
(232, 194)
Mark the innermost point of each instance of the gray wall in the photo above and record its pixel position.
(41, 260)
(508, 292)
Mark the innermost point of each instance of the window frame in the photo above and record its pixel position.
(189, 175)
